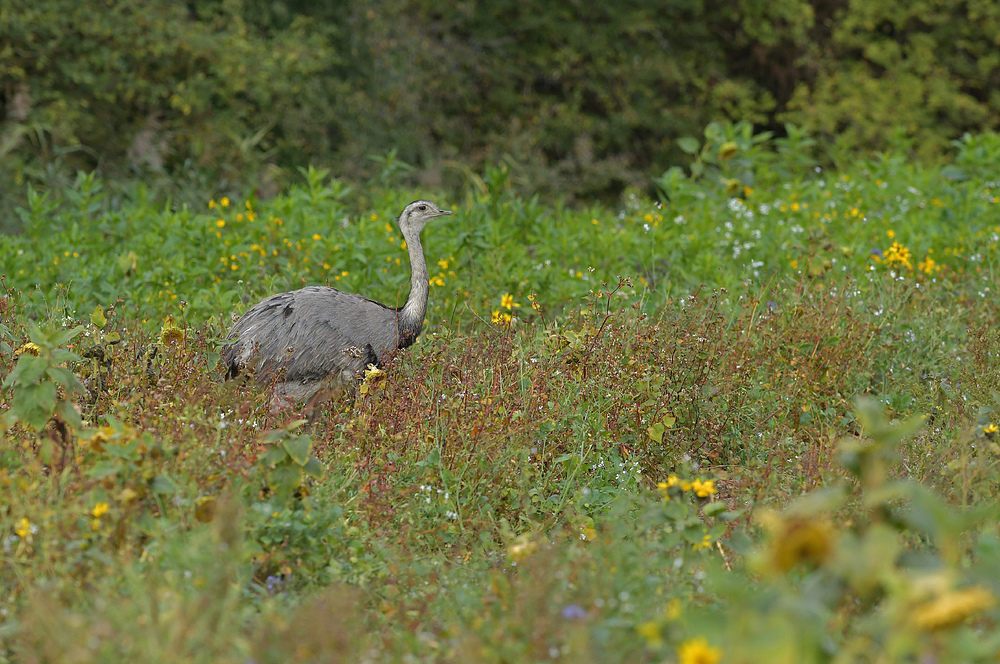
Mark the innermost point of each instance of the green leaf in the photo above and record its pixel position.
(285, 479)
(28, 370)
(34, 404)
(98, 318)
(103, 469)
(656, 432)
(163, 486)
(954, 173)
(688, 144)
(64, 337)
(714, 508)
(69, 413)
(298, 449)
(66, 378)
(60, 355)
(295, 424)
(273, 456)
(313, 468)
(274, 436)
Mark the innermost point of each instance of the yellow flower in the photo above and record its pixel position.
(928, 266)
(224, 202)
(23, 528)
(170, 334)
(374, 377)
(890, 233)
(99, 437)
(728, 150)
(507, 301)
(317, 236)
(651, 632)
(500, 318)
(100, 509)
(127, 496)
(897, 253)
(221, 223)
(522, 547)
(211, 204)
(703, 489)
(992, 428)
(952, 608)
(697, 651)
(30, 348)
(443, 263)
(798, 540)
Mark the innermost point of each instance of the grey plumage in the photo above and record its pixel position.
(315, 341)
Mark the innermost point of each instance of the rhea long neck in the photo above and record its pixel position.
(411, 316)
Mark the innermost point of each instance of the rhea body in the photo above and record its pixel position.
(314, 342)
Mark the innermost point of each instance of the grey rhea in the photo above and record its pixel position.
(313, 343)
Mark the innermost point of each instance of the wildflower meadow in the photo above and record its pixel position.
(748, 415)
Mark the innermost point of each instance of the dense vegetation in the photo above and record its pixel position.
(690, 462)
(585, 99)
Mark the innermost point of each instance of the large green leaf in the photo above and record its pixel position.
(313, 468)
(298, 449)
(34, 404)
(29, 370)
(285, 479)
(688, 144)
(164, 486)
(273, 456)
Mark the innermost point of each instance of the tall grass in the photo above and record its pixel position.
(691, 461)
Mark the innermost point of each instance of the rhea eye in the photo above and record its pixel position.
(422, 208)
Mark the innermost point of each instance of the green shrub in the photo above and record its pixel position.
(582, 102)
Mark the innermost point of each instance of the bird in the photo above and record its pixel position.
(315, 342)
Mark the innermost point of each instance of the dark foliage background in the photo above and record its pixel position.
(583, 99)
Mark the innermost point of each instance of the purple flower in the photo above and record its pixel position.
(574, 612)
(274, 583)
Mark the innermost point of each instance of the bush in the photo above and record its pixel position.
(582, 101)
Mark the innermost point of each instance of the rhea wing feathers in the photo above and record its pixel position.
(314, 332)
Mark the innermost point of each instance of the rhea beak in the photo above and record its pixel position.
(444, 212)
